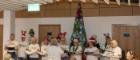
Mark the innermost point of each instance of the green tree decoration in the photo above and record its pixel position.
(79, 29)
(31, 32)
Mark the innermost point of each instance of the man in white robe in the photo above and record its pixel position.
(33, 49)
(12, 46)
(91, 51)
(114, 53)
(23, 44)
(43, 51)
(54, 50)
(76, 49)
(22, 49)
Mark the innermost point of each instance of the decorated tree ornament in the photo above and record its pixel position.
(93, 37)
(79, 27)
(23, 35)
(61, 35)
(46, 40)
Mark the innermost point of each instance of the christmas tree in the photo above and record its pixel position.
(79, 29)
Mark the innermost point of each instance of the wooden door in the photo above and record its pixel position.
(1, 42)
(45, 29)
(128, 37)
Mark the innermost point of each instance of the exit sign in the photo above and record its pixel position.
(33, 7)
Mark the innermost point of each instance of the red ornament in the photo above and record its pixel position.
(61, 35)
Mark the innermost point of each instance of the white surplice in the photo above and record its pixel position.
(113, 54)
(22, 48)
(54, 52)
(43, 52)
(117, 53)
(64, 47)
(33, 50)
(77, 52)
(12, 44)
(94, 50)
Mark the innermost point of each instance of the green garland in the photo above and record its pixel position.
(31, 32)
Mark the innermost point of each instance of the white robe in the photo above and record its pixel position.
(44, 52)
(117, 53)
(12, 43)
(112, 54)
(78, 51)
(64, 47)
(33, 50)
(22, 48)
(54, 52)
(94, 50)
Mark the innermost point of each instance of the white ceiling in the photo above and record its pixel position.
(18, 4)
(22, 4)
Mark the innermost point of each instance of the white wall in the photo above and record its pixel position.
(93, 25)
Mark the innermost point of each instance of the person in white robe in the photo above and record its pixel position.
(33, 49)
(115, 52)
(107, 50)
(64, 46)
(76, 49)
(54, 50)
(43, 51)
(12, 46)
(92, 52)
(23, 44)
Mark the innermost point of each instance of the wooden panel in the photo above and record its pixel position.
(73, 5)
(45, 13)
(84, 5)
(67, 9)
(104, 6)
(44, 29)
(27, 14)
(86, 12)
(1, 42)
(136, 11)
(124, 11)
(131, 42)
(57, 6)
(58, 13)
(137, 37)
(89, 5)
(90, 12)
(1, 14)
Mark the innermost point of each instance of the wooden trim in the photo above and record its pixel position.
(1, 48)
(67, 9)
(47, 25)
(50, 25)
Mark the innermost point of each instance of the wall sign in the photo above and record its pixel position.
(126, 34)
